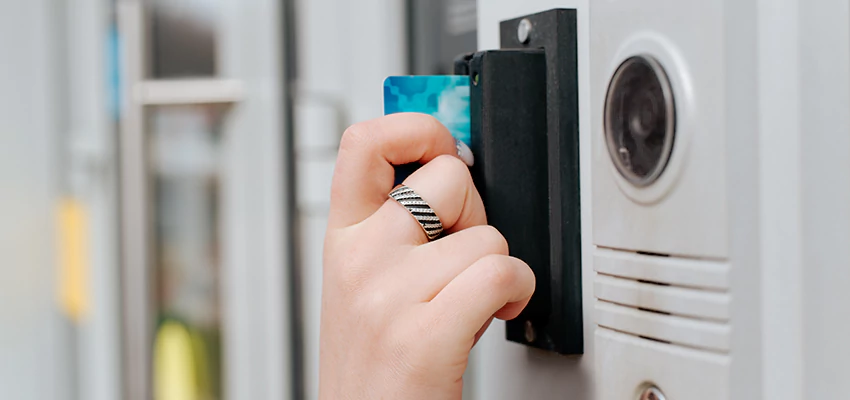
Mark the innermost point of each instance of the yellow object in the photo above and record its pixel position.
(202, 363)
(73, 290)
(174, 375)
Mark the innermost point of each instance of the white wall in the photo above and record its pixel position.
(31, 330)
(825, 196)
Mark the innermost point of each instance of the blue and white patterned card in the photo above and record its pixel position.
(445, 97)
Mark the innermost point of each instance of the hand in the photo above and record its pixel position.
(400, 314)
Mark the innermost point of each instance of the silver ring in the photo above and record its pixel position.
(419, 209)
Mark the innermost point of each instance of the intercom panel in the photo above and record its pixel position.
(660, 221)
(658, 127)
(631, 368)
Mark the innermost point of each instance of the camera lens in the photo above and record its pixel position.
(640, 120)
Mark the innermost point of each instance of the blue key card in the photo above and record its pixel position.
(445, 97)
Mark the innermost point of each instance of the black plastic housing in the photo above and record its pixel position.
(525, 138)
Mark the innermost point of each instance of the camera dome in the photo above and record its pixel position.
(640, 119)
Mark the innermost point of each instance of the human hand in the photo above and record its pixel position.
(400, 314)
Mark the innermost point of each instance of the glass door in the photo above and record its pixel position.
(191, 188)
(184, 156)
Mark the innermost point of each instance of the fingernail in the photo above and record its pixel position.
(464, 153)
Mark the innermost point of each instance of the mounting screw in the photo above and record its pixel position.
(530, 335)
(652, 393)
(523, 31)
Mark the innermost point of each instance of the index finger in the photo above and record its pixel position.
(364, 173)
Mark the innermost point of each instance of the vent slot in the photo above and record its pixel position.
(692, 273)
(654, 311)
(647, 253)
(652, 283)
(664, 299)
(655, 340)
(707, 335)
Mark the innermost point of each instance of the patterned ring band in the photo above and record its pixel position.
(419, 209)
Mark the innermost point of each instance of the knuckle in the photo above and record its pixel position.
(350, 277)
(348, 274)
(432, 122)
(373, 309)
(356, 136)
(452, 165)
(499, 272)
(454, 171)
(494, 240)
(372, 300)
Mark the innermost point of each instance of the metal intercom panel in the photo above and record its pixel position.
(661, 225)
(715, 204)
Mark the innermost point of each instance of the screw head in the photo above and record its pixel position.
(652, 393)
(523, 31)
(530, 334)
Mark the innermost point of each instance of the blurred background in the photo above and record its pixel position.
(164, 176)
